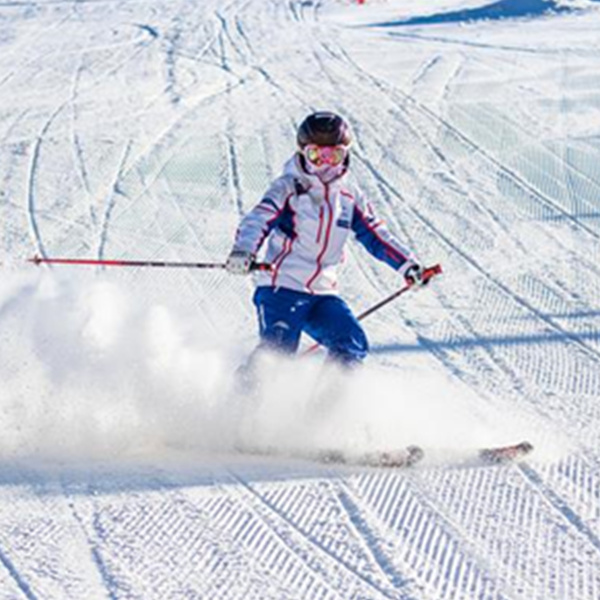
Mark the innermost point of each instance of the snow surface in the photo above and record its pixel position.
(144, 130)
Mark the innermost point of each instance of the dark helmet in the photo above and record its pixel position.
(324, 129)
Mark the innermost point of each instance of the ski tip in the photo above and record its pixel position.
(506, 453)
(526, 447)
(414, 455)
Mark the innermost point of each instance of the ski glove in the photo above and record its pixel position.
(240, 262)
(413, 275)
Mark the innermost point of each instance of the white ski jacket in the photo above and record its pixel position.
(307, 224)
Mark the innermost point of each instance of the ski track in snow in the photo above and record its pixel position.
(576, 338)
(145, 129)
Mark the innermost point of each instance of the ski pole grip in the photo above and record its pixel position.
(430, 272)
(261, 267)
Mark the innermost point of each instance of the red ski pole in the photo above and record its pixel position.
(38, 260)
(427, 274)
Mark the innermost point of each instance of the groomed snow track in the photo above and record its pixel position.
(144, 129)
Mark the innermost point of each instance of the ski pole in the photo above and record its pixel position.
(38, 260)
(427, 274)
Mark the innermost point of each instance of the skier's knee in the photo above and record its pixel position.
(350, 352)
(280, 338)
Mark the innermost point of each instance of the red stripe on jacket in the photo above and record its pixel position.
(325, 244)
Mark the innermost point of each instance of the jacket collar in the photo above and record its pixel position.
(312, 185)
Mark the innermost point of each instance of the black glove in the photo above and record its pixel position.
(413, 275)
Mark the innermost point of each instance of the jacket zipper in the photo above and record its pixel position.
(325, 243)
(320, 230)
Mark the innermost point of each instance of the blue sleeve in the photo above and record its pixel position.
(376, 238)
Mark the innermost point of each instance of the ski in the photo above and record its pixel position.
(411, 455)
(400, 458)
(388, 459)
(504, 454)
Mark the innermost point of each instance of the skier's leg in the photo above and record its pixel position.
(331, 323)
(281, 315)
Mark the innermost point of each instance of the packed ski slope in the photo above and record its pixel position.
(144, 130)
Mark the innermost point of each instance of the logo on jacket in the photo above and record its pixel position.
(344, 221)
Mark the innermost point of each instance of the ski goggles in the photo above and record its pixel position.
(325, 155)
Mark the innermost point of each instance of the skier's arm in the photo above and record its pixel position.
(373, 234)
(260, 221)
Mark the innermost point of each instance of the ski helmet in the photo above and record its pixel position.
(324, 129)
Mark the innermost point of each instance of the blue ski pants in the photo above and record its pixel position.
(284, 314)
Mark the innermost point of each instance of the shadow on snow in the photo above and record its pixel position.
(503, 9)
(45, 478)
(426, 345)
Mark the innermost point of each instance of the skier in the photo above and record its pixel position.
(306, 216)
